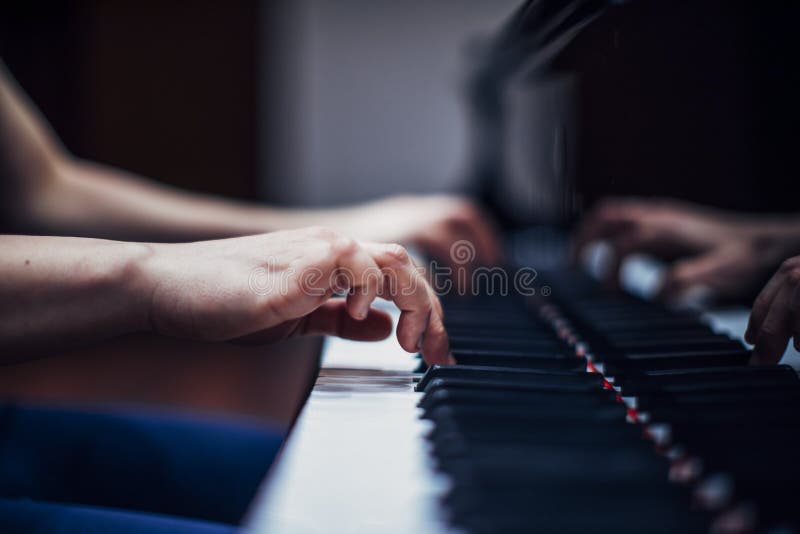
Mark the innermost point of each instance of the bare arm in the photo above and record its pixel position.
(65, 292)
(48, 191)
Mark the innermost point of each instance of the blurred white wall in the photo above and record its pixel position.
(364, 97)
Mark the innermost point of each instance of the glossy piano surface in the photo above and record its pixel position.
(361, 458)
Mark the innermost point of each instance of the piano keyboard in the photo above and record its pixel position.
(579, 412)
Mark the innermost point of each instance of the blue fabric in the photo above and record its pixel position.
(33, 517)
(108, 463)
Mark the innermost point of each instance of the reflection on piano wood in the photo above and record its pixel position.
(581, 412)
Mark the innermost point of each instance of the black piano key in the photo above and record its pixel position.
(677, 344)
(733, 353)
(512, 385)
(519, 361)
(689, 380)
(769, 395)
(530, 353)
(529, 447)
(674, 360)
(493, 343)
(476, 396)
(637, 508)
(532, 376)
(494, 415)
(551, 432)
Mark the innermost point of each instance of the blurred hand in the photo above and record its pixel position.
(430, 222)
(776, 315)
(726, 253)
(268, 287)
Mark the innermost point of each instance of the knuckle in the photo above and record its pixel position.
(397, 254)
(343, 246)
(437, 329)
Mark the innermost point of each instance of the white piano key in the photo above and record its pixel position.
(356, 460)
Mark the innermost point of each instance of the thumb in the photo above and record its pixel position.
(333, 319)
(330, 319)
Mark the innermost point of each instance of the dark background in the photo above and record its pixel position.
(691, 99)
(695, 100)
(165, 89)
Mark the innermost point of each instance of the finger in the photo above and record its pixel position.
(773, 335)
(407, 289)
(334, 319)
(623, 246)
(762, 305)
(607, 220)
(360, 276)
(432, 353)
(364, 290)
(796, 319)
(703, 270)
(345, 266)
(481, 232)
(436, 344)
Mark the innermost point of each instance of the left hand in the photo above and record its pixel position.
(432, 223)
(729, 253)
(775, 317)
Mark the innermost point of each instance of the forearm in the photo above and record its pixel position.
(88, 199)
(66, 292)
(43, 189)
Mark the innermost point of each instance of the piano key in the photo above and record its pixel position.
(689, 380)
(508, 384)
(620, 365)
(532, 376)
(521, 361)
(476, 396)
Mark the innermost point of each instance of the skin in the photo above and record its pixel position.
(72, 291)
(47, 190)
(730, 254)
(183, 268)
(776, 315)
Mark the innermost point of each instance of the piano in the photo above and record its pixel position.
(571, 410)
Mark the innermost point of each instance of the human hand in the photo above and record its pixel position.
(268, 287)
(728, 254)
(432, 223)
(776, 315)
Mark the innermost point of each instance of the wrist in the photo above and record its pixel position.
(137, 281)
